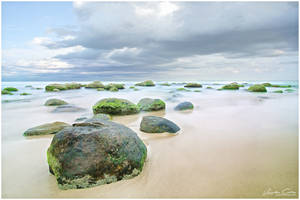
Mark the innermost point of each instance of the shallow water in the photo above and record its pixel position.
(233, 144)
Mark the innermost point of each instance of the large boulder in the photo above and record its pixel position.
(55, 87)
(45, 129)
(232, 86)
(115, 106)
(11, 89)
(148, 104)
(147, 83)
(95, 84)
(153, 124)
(67, 108)
(184, 106)
(95, 152)
(118, 86)
(194, 85)
(55, 102)
(257, 88)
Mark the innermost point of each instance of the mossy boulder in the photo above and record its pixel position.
(267, 84)
(148, 104)
(11, 89)
(208, 87)
(114, 89)
(230, 87)
(194, 85)
(257, 88)
(153, 124)
(165, 84)
(100, 89)
(25, 93)
(55, 102)
(115, 106)
(183, 89)
(281, 86)
(5, 92)
(118, 86)
(95, 84)
(147, 83)
(95, 152)
(54, 86)
(102, 116)
(184, 106)
(72, 86)
(278, 91)
(289, 90)
(46, 129)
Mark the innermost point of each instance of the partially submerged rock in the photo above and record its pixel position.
(183, 89)
(57, 87)
(80, 119)
(147, 83)
(267, 84)
(257, 88)
(208, 87)
(55, 102)
(45, 129)
(25, 93)
(184, 106)
(5, 92)
(28, 86)
(289, 90)
(148, 104)
(95, 152)
(197, 85)
(100, 89)
(67, 108)
(11, 89)
(153, 124)
(197, 90)
(231, 87)
(165, 84)
(278, 91)
(95, 84)
(115, 106)
(117, 86)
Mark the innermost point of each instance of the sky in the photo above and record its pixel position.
(162, 41)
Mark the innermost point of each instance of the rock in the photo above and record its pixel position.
(197, 85)
(80, 119)
(208, 87)
(153, 124)
(51, 87)
(184, 106)
(114, 89)
(67, 108)
(289, 90)
(55, 90)
(55, 102)
(28, 86)
(281, 86)
(38, 88)
(131, 87)
(45, 129)
(278, 91)
(115, 86)
(100, 89)
(197, 90)
(147, 83)
(11, 89)
(165, 84)
(4, 92)
(267, 84)
(257, 88)
(95, 152)
(102, 116)
(148, 104)
(95, 84)
(115, 106)
(230, 87)
(25, 93)
(183, 89)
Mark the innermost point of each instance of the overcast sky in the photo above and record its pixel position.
(64, 41)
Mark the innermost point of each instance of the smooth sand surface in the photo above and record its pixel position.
(233, 144)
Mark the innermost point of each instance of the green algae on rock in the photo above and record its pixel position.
(115, 106)
(184, 106)
(257, 88)
(194, 85)
(95, 84)
(25, 93)
(148, 104)
(165, 84)
(267, 84)
(95, 152)
(183, 89)
(102, 116)
(278, 91)
(5, 92)
(114, 89)
(11, 89)
(100, 89)
(57, 86)
(118, 86)
(208, 87)
(45, 129)
(231, 86)
(153, 124)
(148, 83)
(55, 102)
(289, 90)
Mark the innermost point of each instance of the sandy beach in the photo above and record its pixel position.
(233, 144)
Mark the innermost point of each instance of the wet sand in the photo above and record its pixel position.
(233, 144)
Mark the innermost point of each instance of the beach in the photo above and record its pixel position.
(233, 144)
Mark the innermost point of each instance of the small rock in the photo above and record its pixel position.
(153, 124)
(184, 106)
(55, 102)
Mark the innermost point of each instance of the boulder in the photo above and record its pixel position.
(257, 88)
(95, 152)
(95, 84)
(289, 90)
(148, 104)
(183, 89)
(165, 84)
(267, 84)
(184, 106)
(102, 116)
(11, 89)
(4, 92)
(45, 129)
(55, 102)
(117, 86)
(147, 83)
(67, 108)
(153, 124)
(80, 119)
(57, 87)
(25, 93)
(194, 85)
(115, 106)
(231, 86)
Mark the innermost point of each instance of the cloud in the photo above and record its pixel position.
(213, 38)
